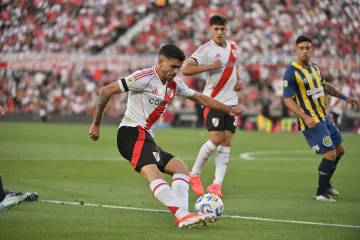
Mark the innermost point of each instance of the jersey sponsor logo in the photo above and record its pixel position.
(315, 91)
(157, 102)
(285, 83)
(327, 141)
(215, 121)
(157, 156)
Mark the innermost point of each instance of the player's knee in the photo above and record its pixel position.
(330, 155)
(340, 152)
(226, 142)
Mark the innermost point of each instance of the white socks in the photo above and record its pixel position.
(163, 193)
(204, 153)
(221, 163)
(180, 186)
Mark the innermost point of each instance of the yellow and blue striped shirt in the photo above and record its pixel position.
(306, 86)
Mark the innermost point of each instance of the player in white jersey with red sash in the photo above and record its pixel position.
(217, 60)
(150, 90)
(336, 106)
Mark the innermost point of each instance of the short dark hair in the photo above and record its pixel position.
(303, 38)
(172, 51)
(218, 20)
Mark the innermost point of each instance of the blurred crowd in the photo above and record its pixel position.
(262, 30)
(65, 25)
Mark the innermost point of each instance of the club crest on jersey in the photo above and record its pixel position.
(157, 156)
(327, 141)
(215, 122)
(170, 92)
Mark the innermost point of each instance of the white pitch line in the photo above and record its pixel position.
(258, 155)
(225, 216)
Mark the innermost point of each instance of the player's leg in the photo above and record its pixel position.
(340, 151)
(8, 200)
(2, 192)
(223, 155)
(319, 139)
(180, 176)
(136, 145)
(214, 124)
(180, 186)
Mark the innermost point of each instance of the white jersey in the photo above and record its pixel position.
(219, 82)
(338, 104)
(148, 97)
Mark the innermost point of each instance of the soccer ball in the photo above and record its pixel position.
(209, 203)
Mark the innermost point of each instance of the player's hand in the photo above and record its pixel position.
(352, 101)
(94, 132)
(235, 111)
(2, 112)
(238, 86)
(217, 63)
(310, 122)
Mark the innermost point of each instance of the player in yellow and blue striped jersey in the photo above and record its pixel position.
(304, 94)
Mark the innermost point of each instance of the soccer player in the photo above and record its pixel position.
(304, 94)
(217, 60)
(336, 106)
(150, 90)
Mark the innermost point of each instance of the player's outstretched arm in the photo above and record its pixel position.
(103, 98)
(329, 89)
(192, 68)
(292, 106)
(2, 112)
(214, 104)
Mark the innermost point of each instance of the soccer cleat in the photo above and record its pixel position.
(324, 198)
(332, 192)
(11, 200)
(193, 220)
(215, 189)
(196, 185)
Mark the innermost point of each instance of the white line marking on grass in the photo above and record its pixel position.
(259, 155)
(225, 216)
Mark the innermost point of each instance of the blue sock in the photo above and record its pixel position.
(333, 170)
(325, 170)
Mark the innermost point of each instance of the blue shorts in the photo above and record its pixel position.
(324, 137)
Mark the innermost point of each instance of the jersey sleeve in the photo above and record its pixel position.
(129, 83)
(201, 55)
(289, 83)
(183, 90)
(322, 79)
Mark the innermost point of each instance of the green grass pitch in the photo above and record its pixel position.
(275, 181)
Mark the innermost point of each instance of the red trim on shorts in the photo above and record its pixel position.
(205, 113)
(176, 179)
(157, 186)
(226, 74)
(138, 147)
